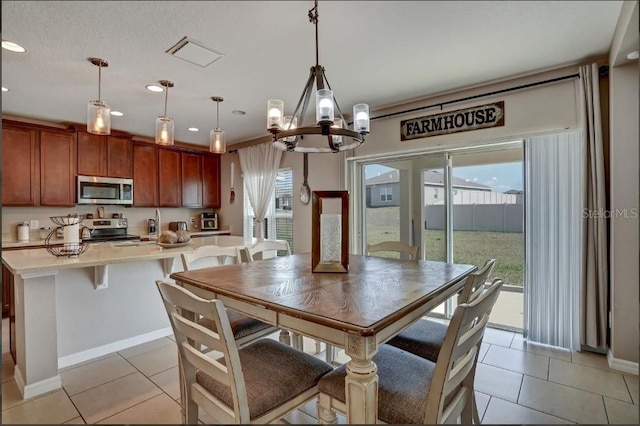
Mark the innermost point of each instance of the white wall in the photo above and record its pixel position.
(325, 173)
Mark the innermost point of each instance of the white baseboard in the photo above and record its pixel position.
(38, 388)
(79, 357)
(622, 364)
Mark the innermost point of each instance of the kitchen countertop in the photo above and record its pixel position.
(98, 254)
(10, 241)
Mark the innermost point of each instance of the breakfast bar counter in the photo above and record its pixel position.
(70, 310)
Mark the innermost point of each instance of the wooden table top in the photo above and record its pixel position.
(373, 294)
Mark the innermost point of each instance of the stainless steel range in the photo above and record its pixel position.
(106, 230)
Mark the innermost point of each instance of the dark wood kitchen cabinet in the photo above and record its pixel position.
(110, 156)
(20, 166)
(145, 175)
(8, 307)
(57, 168)
(211, 181)
(169, 178)
(191, 180)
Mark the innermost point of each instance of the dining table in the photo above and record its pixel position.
(358, 310)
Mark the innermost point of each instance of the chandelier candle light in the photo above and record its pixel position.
(164, 124)
(217, 142)
(98, 112)
(287, 135)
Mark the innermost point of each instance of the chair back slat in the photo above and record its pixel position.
(395, 246)
(279, 245)
(474, 285)
(221, 254)
(455, 369)
(208, 365)
(197, 333)
(181, 304)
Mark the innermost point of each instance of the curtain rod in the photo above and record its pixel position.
(482, 95)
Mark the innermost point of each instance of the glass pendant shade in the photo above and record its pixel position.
(324, 105)
(361, 118)
(290, 123)
(217, 141)
(164, 130)
(337, 140)
(275, 113)
(98, 118)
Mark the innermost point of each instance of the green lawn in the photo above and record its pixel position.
(469, 247)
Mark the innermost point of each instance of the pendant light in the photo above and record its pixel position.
(288, 133)
(164, 124)
(98, 112)
(217, 142)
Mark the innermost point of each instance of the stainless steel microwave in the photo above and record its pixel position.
(104, 190)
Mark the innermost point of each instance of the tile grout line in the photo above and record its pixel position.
(533, 409)
(606, 413)
(74, 406)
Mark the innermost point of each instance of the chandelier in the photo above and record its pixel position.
(98, 112)
(287, 135)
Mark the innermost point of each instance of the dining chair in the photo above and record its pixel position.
(245, 329)
(264, 246)
(258, 383)
(424, 338)
(393, 246)
(414, 390)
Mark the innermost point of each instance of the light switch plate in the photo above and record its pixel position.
(35, 224)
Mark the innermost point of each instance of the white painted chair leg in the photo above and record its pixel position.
(330, 355)
(326, 415)
(318, 346)
(285, 337)
(296, 341)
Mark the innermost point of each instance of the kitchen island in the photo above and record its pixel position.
(69, 310)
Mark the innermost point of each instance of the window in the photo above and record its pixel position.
(386, 193)
(278, 223)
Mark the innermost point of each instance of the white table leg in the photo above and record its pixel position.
(362, 380)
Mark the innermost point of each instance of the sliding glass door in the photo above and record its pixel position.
(463, 206)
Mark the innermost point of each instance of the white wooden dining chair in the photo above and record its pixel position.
(393, 246)
(250, 252)
(424, 338)
(245, 329)
(259, 383)
(414, 390)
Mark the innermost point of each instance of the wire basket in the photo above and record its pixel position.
(66, 249)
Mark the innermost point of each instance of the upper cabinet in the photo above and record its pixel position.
(110, 156)
(20, 166)
(38, 166)
(211, 181)
(191, 179)
(169, 178)
(145, 175)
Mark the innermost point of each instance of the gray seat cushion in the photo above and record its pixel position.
(403, 385)
(273, 373)
(424, 338)
(241, 325)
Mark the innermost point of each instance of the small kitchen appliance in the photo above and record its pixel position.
(108, 230)
(104, 190)
(209, 221)
(177, 226)
(151, 230)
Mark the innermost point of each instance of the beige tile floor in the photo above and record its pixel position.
(516, 383)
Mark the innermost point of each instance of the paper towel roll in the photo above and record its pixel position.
(71, 237)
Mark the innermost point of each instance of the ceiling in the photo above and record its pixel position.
(378, 52)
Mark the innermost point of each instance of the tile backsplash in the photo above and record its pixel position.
(137, 216)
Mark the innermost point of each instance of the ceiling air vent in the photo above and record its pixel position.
(194, 52)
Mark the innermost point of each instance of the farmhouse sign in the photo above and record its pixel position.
(462, 120)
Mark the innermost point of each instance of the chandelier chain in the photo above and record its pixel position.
(99, 80)
(313, 18)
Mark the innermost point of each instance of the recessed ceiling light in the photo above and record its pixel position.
(4, 89)
(154, 88)
(14, 47)
(238, 112)
(633, 55)
(117, 113)
(193, 129)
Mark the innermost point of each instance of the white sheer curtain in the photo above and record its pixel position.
(260, 164)
(554, 167)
